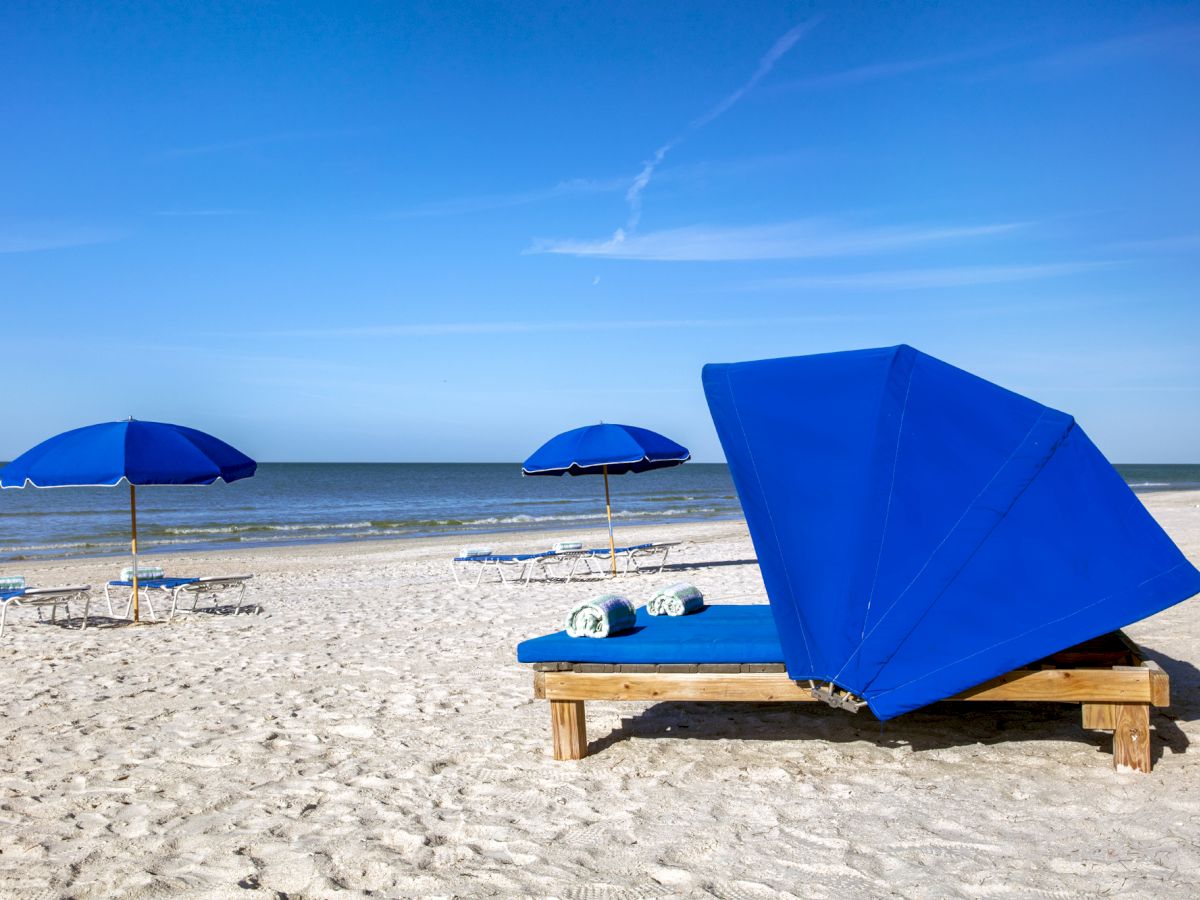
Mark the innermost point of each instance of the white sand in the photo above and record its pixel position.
(371, 731)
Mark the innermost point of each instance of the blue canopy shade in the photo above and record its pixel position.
(921, 530)
(137, 452)
(622, 448)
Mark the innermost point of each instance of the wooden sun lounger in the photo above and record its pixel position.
(1107, 676)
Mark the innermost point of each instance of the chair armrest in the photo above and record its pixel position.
(52, 591)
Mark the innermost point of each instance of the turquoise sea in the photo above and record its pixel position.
(303, 503)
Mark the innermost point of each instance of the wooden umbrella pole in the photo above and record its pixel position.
(612, 544)
(133, 546)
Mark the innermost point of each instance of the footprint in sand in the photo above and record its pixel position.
(356, 731)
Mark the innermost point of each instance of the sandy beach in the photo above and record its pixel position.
(370, 731)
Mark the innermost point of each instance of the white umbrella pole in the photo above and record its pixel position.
(612, 544)
(133, 547)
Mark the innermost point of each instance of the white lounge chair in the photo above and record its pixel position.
(550, 564)
(43, 597)
(212, 587)
(643, 557)
(174, 588)
(638, 557)
(518, 563)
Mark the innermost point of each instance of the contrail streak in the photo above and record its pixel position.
(634, 195)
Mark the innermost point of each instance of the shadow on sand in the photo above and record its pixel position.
(714, 564)
(936, 727)
(95, 620)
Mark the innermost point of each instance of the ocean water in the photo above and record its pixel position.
(302, 503)
(1143, 477)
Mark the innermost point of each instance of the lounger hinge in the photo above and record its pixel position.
(828, 693)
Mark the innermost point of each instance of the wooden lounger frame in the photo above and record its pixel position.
(1107, 676)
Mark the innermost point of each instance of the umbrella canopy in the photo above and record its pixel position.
(605, 450)
(594, 449)
(132, 451)
(921, 530)
(138, 453)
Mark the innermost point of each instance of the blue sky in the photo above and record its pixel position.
(435, 231)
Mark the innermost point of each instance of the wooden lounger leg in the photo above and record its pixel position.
(1130, 725)
(568, 727)
(1131, 736)
(1099, 716)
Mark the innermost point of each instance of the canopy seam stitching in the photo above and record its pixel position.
(966, 510)
(1015, 637)
(888, 511)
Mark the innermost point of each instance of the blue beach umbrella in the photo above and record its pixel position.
(605, 450)
(137, 453)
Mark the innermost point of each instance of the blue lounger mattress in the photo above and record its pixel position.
(715, 634)
(503, 557)
(166, 584)
(521, 557)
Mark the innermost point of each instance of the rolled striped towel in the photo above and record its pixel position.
(143, 572)
(601, 617)
(567, 546)
(12, 583)
(675, 600)
(470, 552)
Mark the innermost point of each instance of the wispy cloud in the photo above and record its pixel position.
(808, 239)
(633, 195)
(914, 279)
(633, 190)
(882, 70)
(1107, 52)
(34, 238)
(765, 65)
(1045, 64)
(261, 140)
(1168, 244)
(580, 187)
(573, 187)
(435, 329)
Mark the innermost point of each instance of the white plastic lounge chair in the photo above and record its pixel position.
(149, 587)
(213, 587)
(523, 566)
(551, 565)
(643, 557)
(43, 597)
(638, 557)
(520, 563)
(174, 588)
